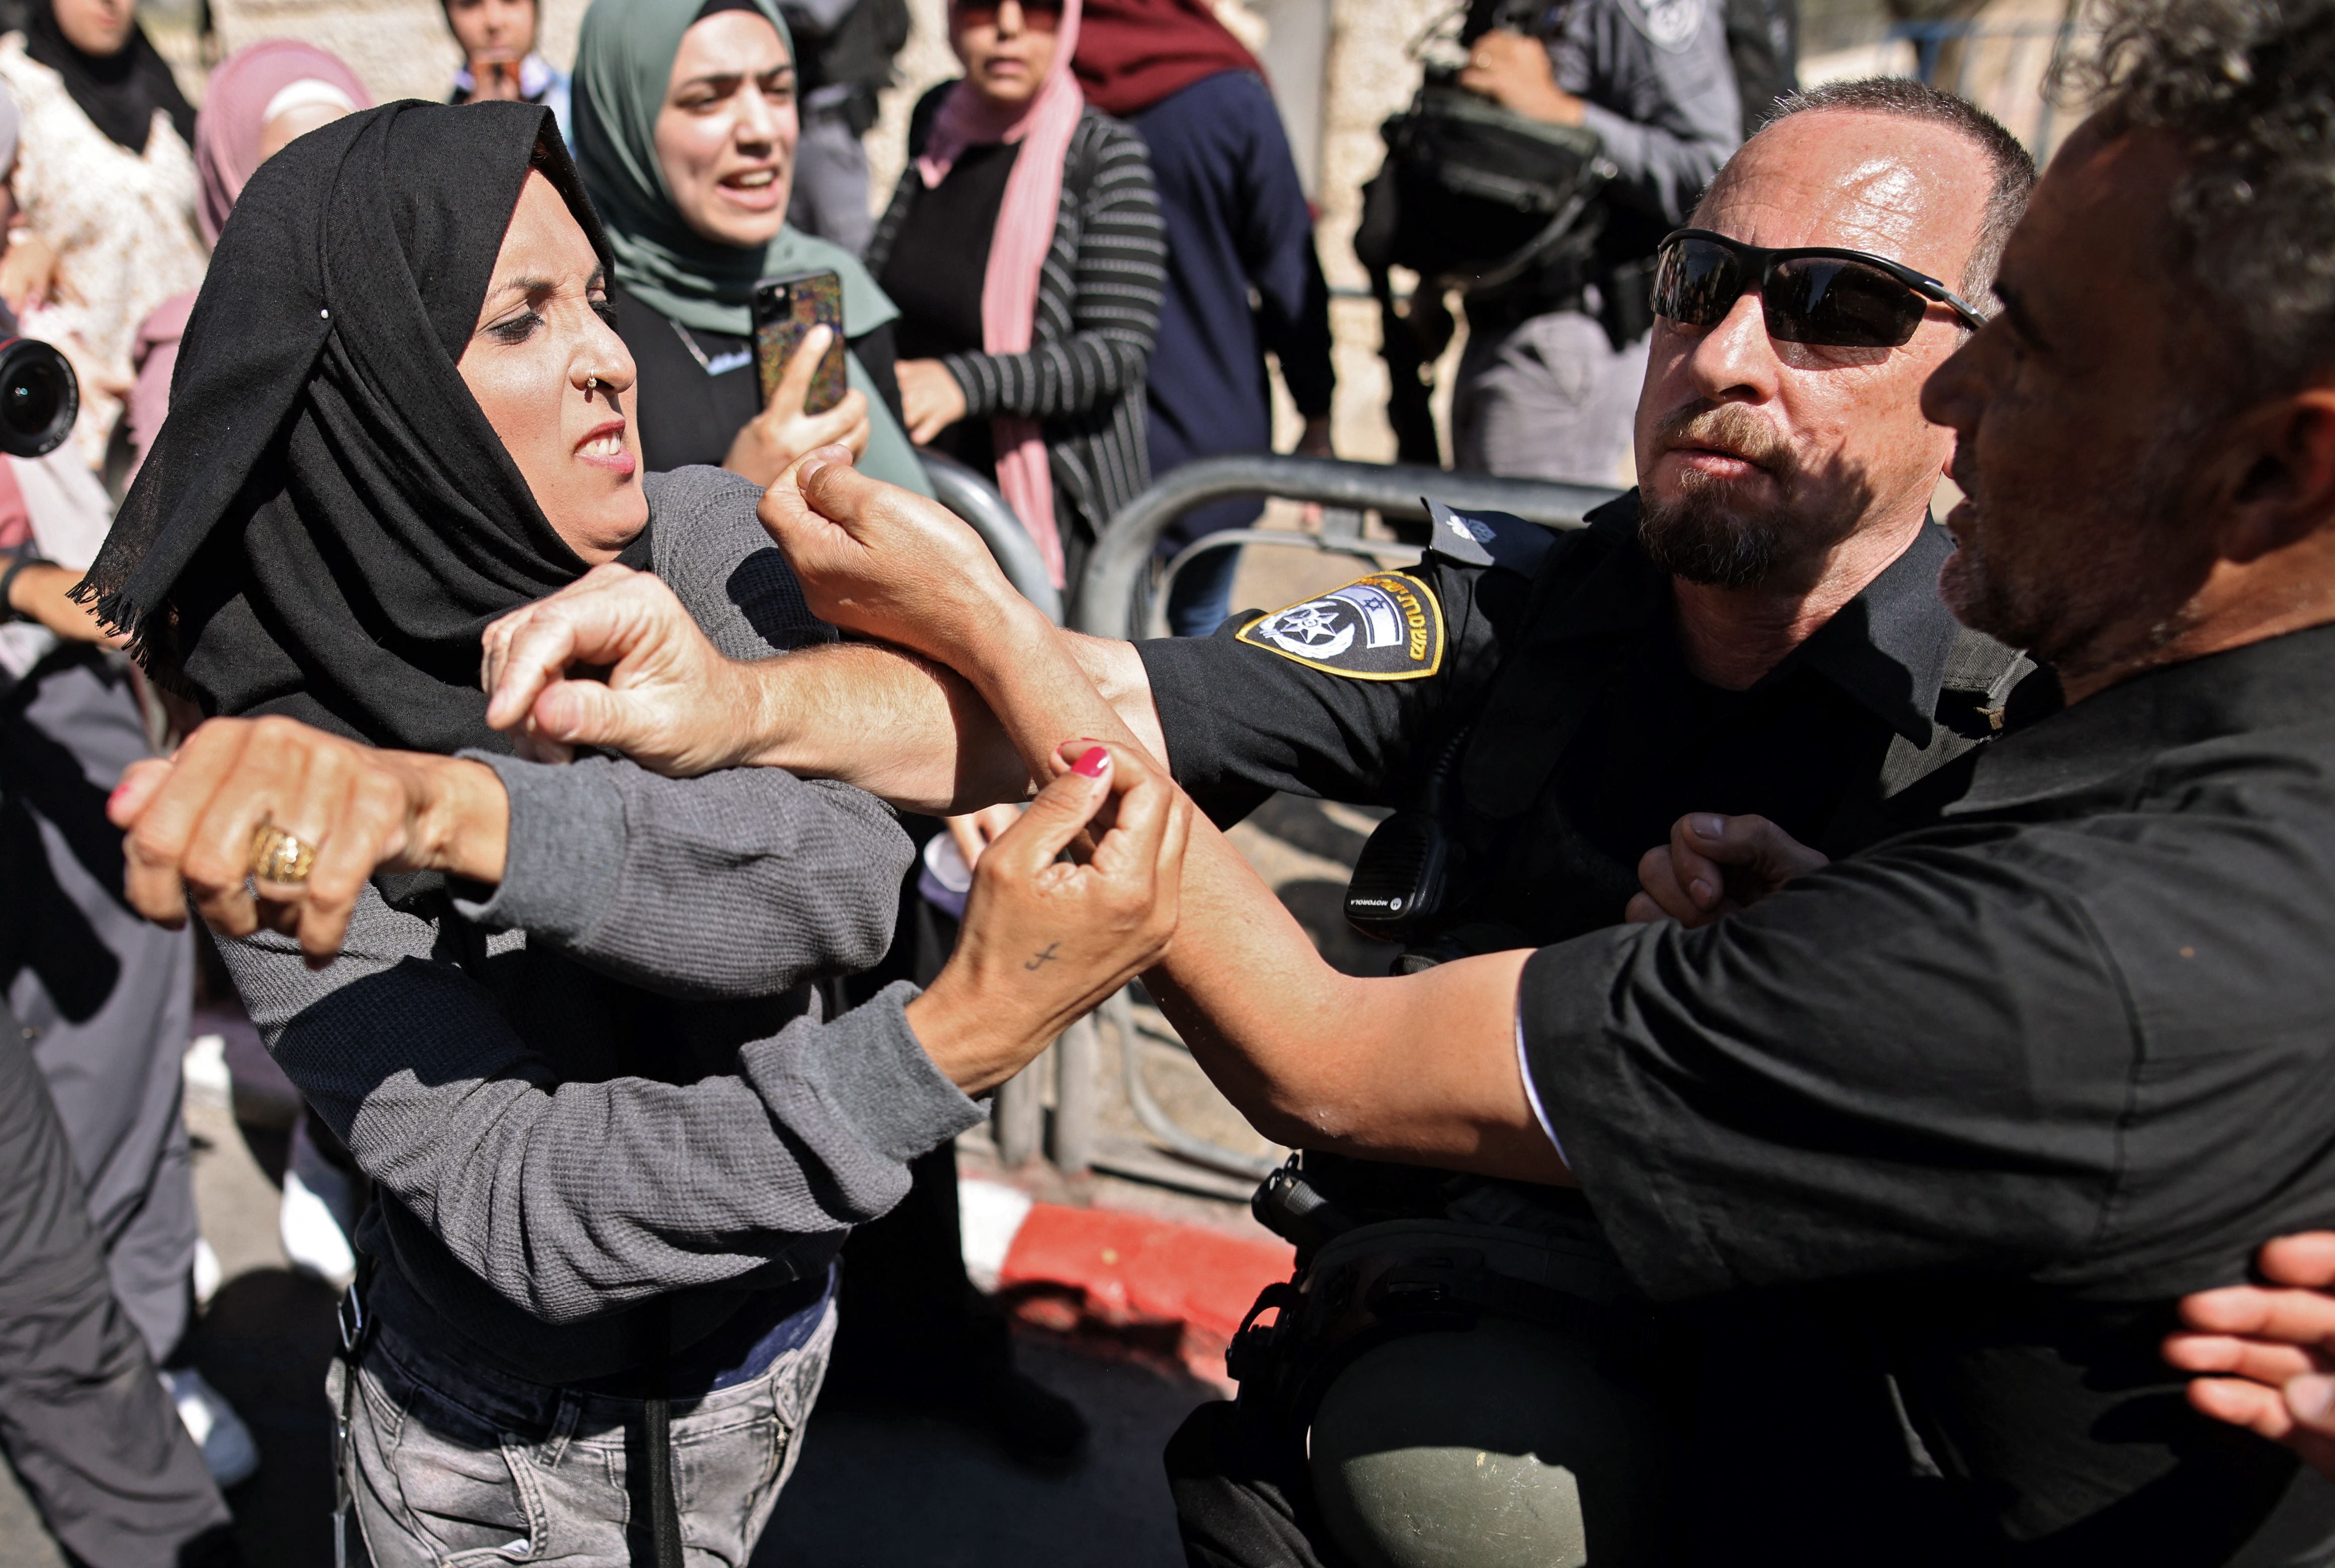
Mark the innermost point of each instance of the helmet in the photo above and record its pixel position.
(1507, 1444)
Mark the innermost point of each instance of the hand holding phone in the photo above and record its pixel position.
(807, 402)
(785, 311)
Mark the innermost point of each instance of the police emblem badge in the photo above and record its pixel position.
(1386, 627)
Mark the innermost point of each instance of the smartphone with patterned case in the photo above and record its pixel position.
(785, 310)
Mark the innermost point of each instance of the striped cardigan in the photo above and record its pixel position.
(1098, 315)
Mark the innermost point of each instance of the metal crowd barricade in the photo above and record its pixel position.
(976, 500)
(1122, 596)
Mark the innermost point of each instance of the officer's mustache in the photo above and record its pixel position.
(1732, 429)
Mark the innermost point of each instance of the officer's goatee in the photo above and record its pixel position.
(1708, 530)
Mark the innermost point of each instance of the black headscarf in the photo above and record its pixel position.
(326, 522)
(118, 91)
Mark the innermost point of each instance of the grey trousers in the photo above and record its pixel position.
(86, 1424)
(829, 198)
(1546, 398)
(446, 1459)
(107, 997)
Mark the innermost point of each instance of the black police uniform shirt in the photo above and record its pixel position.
(2021, 1079)
(1539, 675)
(1542, 672)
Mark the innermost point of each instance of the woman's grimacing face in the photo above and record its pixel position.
(549, 373)
(1007, 48)
(726, 135)
(98, 27)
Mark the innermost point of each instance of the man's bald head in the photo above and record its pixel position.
(2010, 167)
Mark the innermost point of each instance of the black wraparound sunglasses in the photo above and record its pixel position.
(1809, 294)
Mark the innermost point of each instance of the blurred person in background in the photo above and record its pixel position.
(845, 50)
(1548, 383)
(87, 1429)
(258, 99)
(500, 63)
(1024, 246)
(685, 134)
(105, 182)
(104, 998)
(1238, 229)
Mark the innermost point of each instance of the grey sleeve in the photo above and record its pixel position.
(737, 884)
(1660, 94)
(712, 552)
(734, 885)
(569, 1199)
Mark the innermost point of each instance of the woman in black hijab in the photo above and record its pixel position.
(398, 414)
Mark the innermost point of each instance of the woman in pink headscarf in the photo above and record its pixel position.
(260, 98)
(1026, 251)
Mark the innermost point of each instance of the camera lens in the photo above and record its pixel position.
(32, 402)
(39, 398)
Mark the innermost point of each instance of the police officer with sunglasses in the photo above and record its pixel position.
(1462, 1372)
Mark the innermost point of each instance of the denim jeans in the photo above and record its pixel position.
(452, 1463)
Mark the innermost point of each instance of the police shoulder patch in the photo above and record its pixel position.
(1386, 627)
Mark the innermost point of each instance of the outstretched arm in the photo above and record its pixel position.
(1421, 1067)
(899, 726)
(563, 1197)
(621, 869)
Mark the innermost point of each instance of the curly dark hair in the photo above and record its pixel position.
(2247, 88)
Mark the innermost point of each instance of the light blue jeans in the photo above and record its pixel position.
(452, 1463)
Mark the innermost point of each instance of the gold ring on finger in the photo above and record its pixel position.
(279, 857)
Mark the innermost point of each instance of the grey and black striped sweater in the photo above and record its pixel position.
(1098, 315)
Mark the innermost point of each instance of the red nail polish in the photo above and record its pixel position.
(1091, 763)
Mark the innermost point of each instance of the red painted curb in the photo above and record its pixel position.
(1134, 1269)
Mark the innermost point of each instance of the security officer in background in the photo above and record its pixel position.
(845, 50)
(1757, 631)
(1549, 379)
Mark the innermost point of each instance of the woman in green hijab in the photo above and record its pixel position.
(685, 127)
